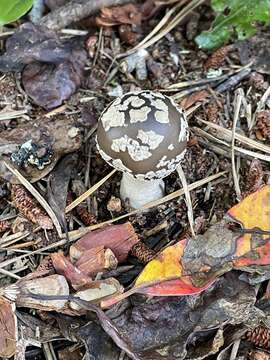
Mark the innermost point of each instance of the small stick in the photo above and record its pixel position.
(233, 80)
(75, 11)
(239, 97)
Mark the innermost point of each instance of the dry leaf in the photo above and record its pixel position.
(190, 100)
(53, 285)
(126, 14)
(8, 328)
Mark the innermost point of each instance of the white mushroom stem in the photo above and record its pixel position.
(140, 192)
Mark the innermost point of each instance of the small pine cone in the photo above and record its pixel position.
(259, 355)
(217, 58)
(87, 218)
(142, 252)
(260, 336)
(29, 207)
(254, 177)
(212, 110)
(46, 264)
(4, 225)
(258, 82)
(263, 123)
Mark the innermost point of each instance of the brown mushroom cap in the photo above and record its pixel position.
(144, 134)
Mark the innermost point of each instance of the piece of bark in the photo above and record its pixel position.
(119, 238)
(75, 11)
(96, 260)
(73, 275)
(8, 326)
(53, 285)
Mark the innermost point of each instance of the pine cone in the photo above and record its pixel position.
(29, 207)
(142, 252)
(254, 177)
(260, 336)
(217, 58)
(263, 123)
(87, 218)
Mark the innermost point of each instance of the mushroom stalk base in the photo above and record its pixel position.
(140, 192)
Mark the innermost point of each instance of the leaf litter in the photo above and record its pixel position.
(106, 280)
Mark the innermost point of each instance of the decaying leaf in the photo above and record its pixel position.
(50, 285)
(118, 238)
(8, 328)
(54, 67)
(125, 14)
(168, 325)
(56, 137)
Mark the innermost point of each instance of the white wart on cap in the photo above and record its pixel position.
(143, 134)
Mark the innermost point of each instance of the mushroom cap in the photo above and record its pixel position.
(144, 134)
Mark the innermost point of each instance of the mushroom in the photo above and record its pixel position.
(143, 134)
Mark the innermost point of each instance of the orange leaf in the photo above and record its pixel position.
(253, 213)
(166, 271)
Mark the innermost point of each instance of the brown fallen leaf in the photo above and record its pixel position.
(4, 225)
(118, 238)
(54, 68)
(8, 328)
(29, 207)
(125, 14)
(190, 100)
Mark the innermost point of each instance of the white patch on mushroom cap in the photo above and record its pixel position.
(162, 116)
(112, 118)
(150, 95)
(118, 164)
(150, 138)
(159, 104)
(136, 151)
(139, 115)
(120, 144)
(171, 147)
(135, 101)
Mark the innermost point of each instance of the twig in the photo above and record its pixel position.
(188, 198)
(233, 80)
(75, 11)
(90, 191)
(238, 103)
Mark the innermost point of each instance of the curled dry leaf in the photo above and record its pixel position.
(29, 207)
(117, 15)
(73, 275)
(97, 259)
(54, 67)
(59, 136)
(118, 238)
(53, 285)
(8, 328)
